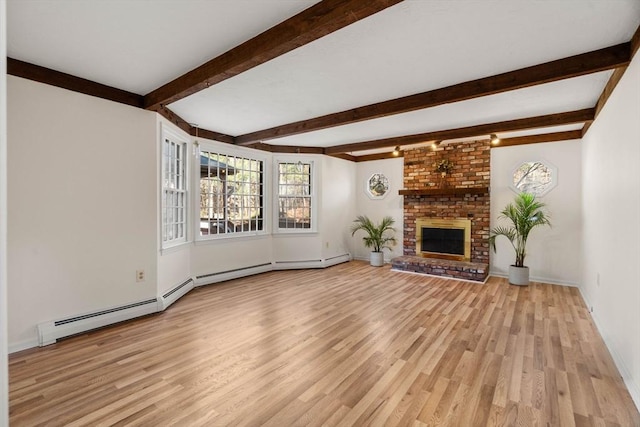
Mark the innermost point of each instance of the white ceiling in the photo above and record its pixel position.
(136, 45)
(412, 47)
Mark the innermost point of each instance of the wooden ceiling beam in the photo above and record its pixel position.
(290, 149)
(378, 156)
(191, 129)
(51, 77)
(311, 24)
(574, 66)
(558, 119)
(543, 137)
(635, 42)
(344, 156)
(175, 119)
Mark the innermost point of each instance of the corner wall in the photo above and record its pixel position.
(4, 374)
(82, 205)
(376, 209)
(611, 226)
(553, 253)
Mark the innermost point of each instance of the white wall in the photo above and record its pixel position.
(611, 206)
(82, 205)
(291, 248)
(376, 209)
(338, 205)
(84, 211)
(174, 264)
(553, 254)
(4, 376)
(335, 209)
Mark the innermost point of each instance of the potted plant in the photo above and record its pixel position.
(525, 213)
(375, 236)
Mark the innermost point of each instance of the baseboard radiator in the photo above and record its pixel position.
(49, 332)
(174, 294)
(207, 279)
(313, 263)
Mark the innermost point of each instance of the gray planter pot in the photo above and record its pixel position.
(518, 275)
(377, 259)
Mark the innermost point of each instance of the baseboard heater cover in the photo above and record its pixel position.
(314, 263)
(49, 332)
(175, 294)
(207, 279)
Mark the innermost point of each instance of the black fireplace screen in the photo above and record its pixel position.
(443, 240)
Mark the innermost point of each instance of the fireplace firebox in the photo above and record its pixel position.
(443, 238)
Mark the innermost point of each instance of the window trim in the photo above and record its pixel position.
(168, 133)
(227, 149)
(315, 199)
(550, 166)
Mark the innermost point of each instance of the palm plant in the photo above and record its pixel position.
(525, 213)
(375, 237)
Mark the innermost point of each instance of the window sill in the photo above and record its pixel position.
(176, 247)
(294, 232)
(232, 236)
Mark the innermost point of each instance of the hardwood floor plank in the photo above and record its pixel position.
(347, 345)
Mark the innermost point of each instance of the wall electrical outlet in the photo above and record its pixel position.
(139, 275)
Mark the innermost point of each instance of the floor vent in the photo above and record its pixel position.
(49, 332)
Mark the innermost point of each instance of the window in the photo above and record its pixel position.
(377, 186)
(295, 187)
(174, 189)
(231, 194)
(534, 177)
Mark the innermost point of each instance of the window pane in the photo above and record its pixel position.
(173, 190)
(294, 195)
(230, 194)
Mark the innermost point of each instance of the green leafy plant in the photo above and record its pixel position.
(444, 166)
(525, 213)
(375, 237)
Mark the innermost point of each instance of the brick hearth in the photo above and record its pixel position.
(441, 267)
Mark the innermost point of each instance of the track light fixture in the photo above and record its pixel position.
(396, 151)
(435, 144)
(494, 139)
(196, 143)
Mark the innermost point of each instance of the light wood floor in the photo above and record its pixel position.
(349, 345)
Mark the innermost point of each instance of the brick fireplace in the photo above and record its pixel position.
(461, 194)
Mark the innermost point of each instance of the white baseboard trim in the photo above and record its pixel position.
(367, 259)
(208, 279)
(316, 263)
(629, 381)
(174, 294)
(335, 260)
(23, 345)
(538, 279)
(48, 332)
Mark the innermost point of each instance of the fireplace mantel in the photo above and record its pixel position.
(443, 191)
